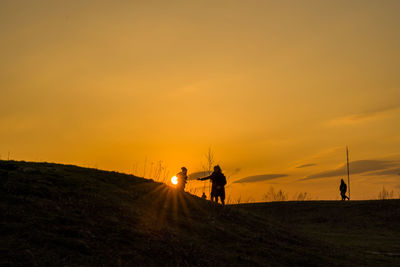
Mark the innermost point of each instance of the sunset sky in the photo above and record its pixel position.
(277, 89)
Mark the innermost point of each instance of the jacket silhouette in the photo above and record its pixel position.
(218, 182)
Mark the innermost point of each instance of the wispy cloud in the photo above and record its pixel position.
(356, 167)
(321, 155)
(306, 165)
(259, 178)
(234, 172)
(363, 116)
(395, 171)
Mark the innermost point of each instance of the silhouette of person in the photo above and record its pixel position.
(203, 196)
(343, 190)
(218, 182)
(182, 179)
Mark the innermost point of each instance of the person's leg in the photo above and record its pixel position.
(213, 195)
(222, 196)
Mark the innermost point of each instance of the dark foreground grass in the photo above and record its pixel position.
(370, 227)
(61, 215)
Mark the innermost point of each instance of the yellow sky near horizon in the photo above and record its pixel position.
(268, 85)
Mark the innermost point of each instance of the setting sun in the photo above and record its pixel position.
(174, 180)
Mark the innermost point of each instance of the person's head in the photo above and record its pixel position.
(217, 168)
(184, 170)
(341, 180)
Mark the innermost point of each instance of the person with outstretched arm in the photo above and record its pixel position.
(218, 182)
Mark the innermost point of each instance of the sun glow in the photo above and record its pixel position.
(174, 180)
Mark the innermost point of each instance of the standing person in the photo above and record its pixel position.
(343, 190)
(218, 182)
(182, 179)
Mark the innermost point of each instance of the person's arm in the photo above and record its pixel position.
(205, 178)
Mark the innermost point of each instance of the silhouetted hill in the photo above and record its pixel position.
(63, 215)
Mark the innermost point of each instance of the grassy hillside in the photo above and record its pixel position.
(58, 215)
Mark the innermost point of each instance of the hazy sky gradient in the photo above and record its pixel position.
(269, 85)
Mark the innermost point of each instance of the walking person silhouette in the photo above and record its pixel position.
(343, 190)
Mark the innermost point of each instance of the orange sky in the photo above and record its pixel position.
(268, 85)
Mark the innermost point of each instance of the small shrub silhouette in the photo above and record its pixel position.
(273, 195)
(384, 194)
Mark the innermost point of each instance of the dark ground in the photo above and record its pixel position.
(63, 215)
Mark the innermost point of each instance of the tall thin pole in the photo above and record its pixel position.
(348, 171)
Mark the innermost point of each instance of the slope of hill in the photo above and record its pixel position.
(57, 215)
